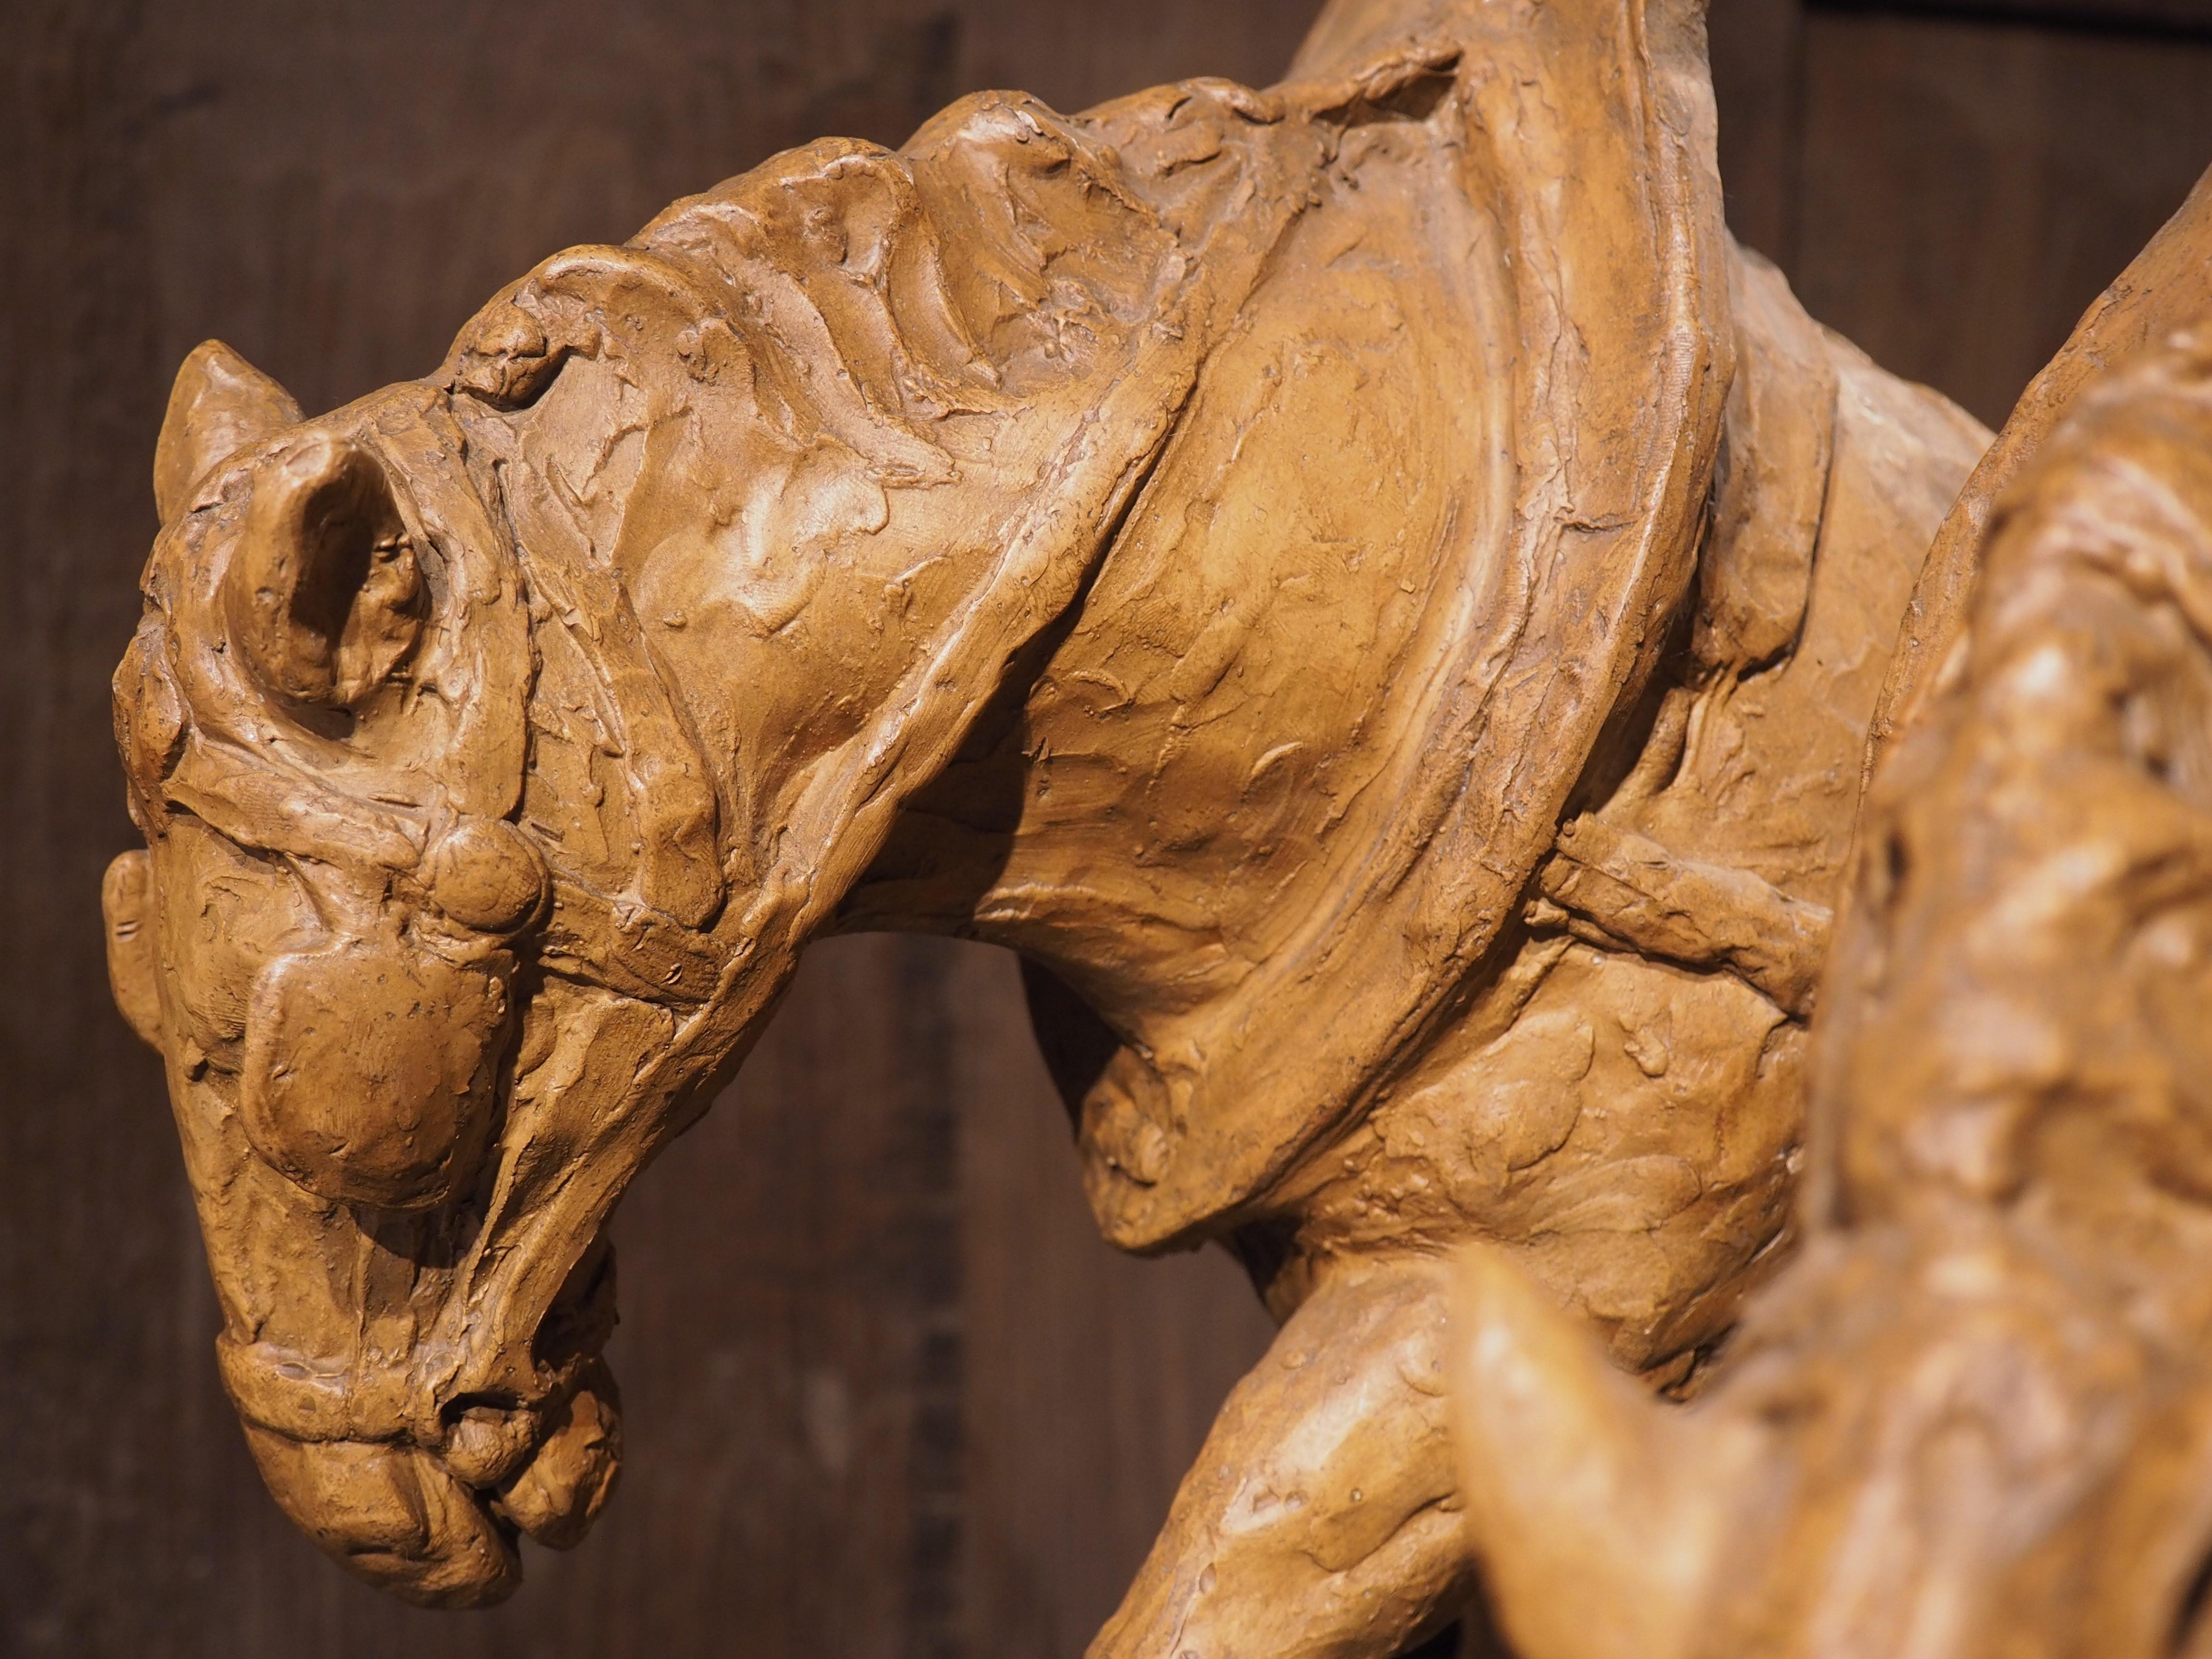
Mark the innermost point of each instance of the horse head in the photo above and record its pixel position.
(500, 738)
(324, 717)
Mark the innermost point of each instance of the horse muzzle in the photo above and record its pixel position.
(432, 1512)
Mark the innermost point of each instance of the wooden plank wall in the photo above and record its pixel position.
(1951, 194)
(887, 1394)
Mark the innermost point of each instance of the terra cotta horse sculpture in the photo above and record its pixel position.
(1360, 583)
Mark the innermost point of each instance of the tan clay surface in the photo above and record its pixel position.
(1972, 1419)
(1361, 583)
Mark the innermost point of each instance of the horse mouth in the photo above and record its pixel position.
(439, 1527)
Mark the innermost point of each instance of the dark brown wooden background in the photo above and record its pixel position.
(887, 1395)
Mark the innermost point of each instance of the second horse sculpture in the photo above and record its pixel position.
(1361, 584)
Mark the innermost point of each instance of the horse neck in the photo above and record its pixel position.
(1121, 814)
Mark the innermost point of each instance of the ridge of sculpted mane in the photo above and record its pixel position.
(1361, 583)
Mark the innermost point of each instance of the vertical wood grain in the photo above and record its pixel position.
(1969, 188)
(1757, 52)
(1092, 1377)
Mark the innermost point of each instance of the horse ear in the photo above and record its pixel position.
(325, 595)
(133, 966)
(220, 404)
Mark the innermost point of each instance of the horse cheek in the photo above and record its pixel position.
(370, 1072)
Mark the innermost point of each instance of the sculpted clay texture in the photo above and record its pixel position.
(1972, 1419)
(1361, 583)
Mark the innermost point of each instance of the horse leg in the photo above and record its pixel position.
(1321, 1519)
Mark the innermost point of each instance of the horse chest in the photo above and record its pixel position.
(1633, 1129)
